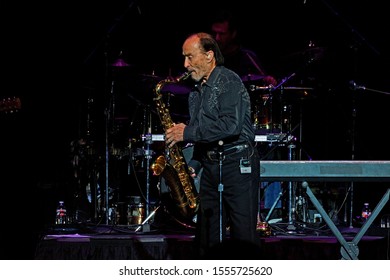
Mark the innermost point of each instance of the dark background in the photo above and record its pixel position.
(57, 56)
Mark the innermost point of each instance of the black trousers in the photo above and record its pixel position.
(239, 197)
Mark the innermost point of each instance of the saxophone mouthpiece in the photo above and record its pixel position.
(184, 76)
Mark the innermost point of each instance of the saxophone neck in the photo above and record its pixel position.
(171, 80)
(183, 76)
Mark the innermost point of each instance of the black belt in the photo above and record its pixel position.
(215, 154)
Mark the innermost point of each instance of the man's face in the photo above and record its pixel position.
(222, 34)
(196, 59)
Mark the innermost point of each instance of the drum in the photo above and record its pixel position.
(114, 215)
(135, 211)
(266, 113)
(262, 112)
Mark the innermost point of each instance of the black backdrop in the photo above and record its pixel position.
(57, 55)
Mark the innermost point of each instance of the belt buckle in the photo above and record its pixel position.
(213, 156)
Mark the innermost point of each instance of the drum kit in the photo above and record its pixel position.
(273, 107)
(116, 174)
(131, 117)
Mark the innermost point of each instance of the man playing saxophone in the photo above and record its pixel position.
(220, 127)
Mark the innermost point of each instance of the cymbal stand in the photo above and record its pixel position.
(109, 117)
(281, 87)
(291, 155)
(291, 198)
(148, 155)
(107, 153)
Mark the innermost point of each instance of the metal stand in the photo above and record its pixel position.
(319, 171)
(145, 228)
(108, 111)
(349, 249)
(355, 87)
(353, 132)
(291, 194)
(300, 202)
(106, 168)
(220, 190)
(273, 206)
(291, 198)
(109, 115)
(148, 156)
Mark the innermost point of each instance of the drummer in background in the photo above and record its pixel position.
(246, 63)
(243, 61)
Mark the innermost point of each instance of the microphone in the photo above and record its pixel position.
(354, 86)
(254, 87)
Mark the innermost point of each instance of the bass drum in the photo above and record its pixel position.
(171, 212)
(267, 113)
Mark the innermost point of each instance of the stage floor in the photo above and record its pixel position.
(106, 242)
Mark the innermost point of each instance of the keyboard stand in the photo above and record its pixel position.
(335, 171)
(349, 250)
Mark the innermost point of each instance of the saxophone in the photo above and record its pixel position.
(173, 167)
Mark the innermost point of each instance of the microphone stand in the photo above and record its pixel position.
(353, 132)
(109, 117)
(148, 154)
(355, 87)
(362, 40)
(220, 189)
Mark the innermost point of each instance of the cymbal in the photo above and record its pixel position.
(312, 52)
(252, 77)
(292, 93)
(120, 63)
(179, 89)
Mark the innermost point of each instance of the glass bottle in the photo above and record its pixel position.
(61, 215)
(366, 211)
